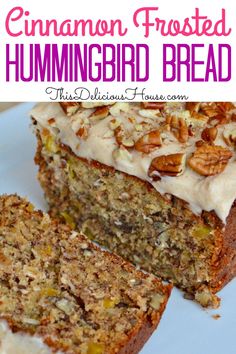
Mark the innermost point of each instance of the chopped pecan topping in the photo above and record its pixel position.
(99, 113)
(153, 105)
(209, 160)
(213, 109)
(122, 154)
(70, 108)
(219, 119)
(122, 138)
(167, 165)
(116, 108)
(51, 121)
(190, 131)
(209, 134)
(225, 107)
(82, 132)
(114, 123)
(230, 137)
(127, 142)
(233, 117)
(198, 119)
(200, 143)
(150, 113)
(179, 128)
(193, 106)
(139, 127)
(119, 134)
(148, 142)
(132, 120)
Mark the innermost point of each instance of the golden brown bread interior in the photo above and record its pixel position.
(129, 217)
(58, 285)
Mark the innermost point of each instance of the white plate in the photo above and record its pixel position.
(185, 327)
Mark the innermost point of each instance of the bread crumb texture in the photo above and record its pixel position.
(56, 284)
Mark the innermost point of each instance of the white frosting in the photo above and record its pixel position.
(202, 193)
(18, 343)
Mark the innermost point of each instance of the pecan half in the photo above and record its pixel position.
(167, 165)
(179, 128)
(148, 142)
(209, 160)
(209, 134)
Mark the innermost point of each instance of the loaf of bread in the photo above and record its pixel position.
(152, 182)
(60, 293)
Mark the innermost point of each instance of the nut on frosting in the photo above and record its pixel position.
(154, 120)
(208, 160)
(167, 165)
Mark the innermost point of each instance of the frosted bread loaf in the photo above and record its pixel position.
(154, 182)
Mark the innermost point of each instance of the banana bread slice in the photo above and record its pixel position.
(58, 288)
(153, 182)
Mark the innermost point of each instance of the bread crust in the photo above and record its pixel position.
(225, 263)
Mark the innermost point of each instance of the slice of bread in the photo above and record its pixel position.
(57, 286)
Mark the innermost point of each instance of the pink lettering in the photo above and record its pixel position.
(198, 25)
(69, 27)
(14, 15)
(147, 24)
